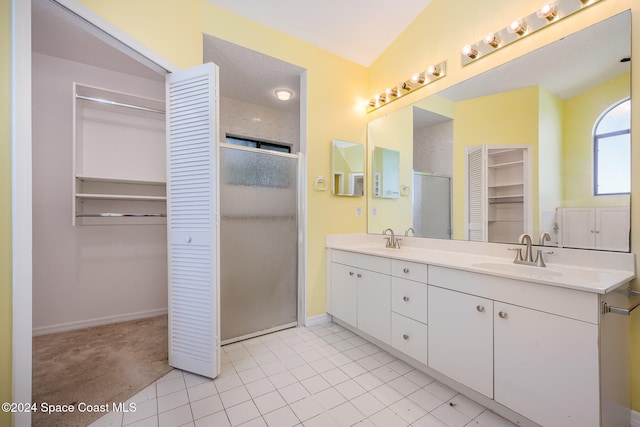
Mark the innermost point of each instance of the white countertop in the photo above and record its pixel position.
(580, 270)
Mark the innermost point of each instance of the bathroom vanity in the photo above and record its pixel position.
(534, 344)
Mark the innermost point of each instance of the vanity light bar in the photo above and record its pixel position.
(550, 12)
(415, 82)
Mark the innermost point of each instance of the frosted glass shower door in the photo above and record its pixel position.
(432, 206)
(258, 241)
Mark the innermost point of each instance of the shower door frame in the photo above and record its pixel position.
(301, 309)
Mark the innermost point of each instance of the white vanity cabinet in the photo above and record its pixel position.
(604, 228)
(409, 309)
(533, 349)
(461, 338)
(546, 366)
(535, 345)
(360, 292)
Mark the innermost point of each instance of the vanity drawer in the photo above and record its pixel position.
(409, 270)
(365, 262)
(409, 337)
(409, 298)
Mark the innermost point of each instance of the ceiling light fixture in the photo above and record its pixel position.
(283, 94)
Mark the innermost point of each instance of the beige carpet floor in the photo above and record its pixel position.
(99, 365)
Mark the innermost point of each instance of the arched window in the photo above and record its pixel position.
(612, 151)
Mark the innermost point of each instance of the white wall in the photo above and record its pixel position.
(85, 275)
(255, 121)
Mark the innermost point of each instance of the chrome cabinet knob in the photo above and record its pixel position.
(502, 315)
(351, 273)
(406, 270)
(405, 299)
(188, 239)
(359, 275)
(480, 308)
(405, 337)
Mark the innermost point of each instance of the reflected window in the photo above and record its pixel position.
(612, 151)
(264, 145)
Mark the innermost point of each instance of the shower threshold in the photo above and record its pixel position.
(259, 333)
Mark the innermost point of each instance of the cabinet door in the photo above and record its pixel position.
(460, 339)
(344, 293)
(374, 305)
(546, 367)
(612, 228)
(578, 228)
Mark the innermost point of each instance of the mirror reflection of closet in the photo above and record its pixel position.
(386, 173)
(347, 166)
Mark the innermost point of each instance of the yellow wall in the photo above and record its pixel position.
(508, 118)
(170, 28)
(5, 207)
(580, 115)
(550, 128)
(394, 132)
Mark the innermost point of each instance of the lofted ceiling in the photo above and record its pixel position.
(359, 30)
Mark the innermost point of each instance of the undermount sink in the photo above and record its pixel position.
(518, 269)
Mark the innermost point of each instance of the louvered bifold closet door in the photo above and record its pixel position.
(193, 219)
(476, 200)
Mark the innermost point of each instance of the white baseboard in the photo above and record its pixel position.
(72, 326)
(317, 320)
(635, 419)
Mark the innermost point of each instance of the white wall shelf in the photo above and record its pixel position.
(119, 158)
(497, 195)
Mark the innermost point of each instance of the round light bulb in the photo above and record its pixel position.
(492, 40)
(548, 12)
(469, 51)
(518, 27)
(284, 94)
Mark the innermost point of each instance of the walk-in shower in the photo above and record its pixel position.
(259, 238)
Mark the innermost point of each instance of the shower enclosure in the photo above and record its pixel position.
(259, 234)
(432, 206)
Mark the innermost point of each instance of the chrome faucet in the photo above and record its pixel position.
(410, 229)
(392, 241)
(527, 258)
(544, 237)
(539, 261)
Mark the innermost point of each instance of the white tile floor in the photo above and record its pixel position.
(320, 376)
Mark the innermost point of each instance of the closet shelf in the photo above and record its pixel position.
(506, 164)
(506, 199)
(119, 180)
(119, 215)
(99, 196)
(514, 184)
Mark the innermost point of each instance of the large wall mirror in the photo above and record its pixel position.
(551, 102)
